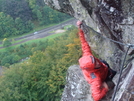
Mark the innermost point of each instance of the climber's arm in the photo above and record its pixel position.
(84, 44)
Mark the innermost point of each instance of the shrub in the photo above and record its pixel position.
(6, 59)
(15, 59)
(6, 42)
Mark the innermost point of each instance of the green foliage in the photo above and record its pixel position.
(42, 77)
(21, 52)
(6, 42)
(52, 16)
(7, 59)
(16, 58)
(17, 9)
(6, 25)
(19, 16)
(11, 27)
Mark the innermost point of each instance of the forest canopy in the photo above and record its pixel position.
(42, 76)
(21, 16)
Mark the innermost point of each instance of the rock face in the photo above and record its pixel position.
(104, 21)
(126, 86)
(77, 88)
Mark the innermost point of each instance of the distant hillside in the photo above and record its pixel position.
(21, 16)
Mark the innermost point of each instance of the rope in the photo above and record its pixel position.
(128, 44)
(121, 69)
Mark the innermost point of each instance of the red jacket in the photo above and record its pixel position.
(94, 76)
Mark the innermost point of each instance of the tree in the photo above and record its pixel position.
(15, 58)
(17, 8)
(6, 42)
(19, 26)
(7, 59)
(39, 16)
(6, 25)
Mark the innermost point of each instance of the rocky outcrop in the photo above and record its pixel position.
(103, 22)
(126, 85)
(77, 88)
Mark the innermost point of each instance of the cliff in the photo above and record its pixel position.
(109, 27)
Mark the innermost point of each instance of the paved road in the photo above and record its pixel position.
(44, 32)
(0, 70)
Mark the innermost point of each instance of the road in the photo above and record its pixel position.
(1, 71)
(43, 33)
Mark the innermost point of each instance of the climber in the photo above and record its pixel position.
(96, 72)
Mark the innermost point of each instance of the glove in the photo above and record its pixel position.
(79, 23)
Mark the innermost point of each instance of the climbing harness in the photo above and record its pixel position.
(128, 44)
